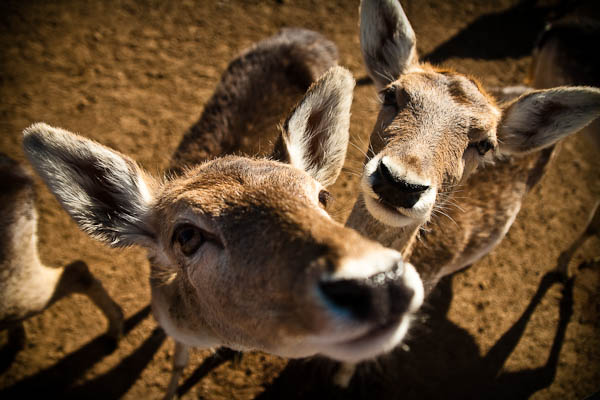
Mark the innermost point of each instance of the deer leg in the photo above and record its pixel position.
(77, 278)
(592, 228)
(17, 336)
(180, 360)
(15, 343)
(344, 374)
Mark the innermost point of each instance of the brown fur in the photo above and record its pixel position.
(562, 57)
(28, 287)
(262, 247)
(434, 132)
(254, 93)
(444, 117)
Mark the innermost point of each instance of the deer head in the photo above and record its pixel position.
(243, 252)
(435, 126)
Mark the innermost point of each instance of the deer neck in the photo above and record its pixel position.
(400, 239)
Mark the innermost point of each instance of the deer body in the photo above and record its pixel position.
(255, 92)
(560, 58)
(242, 251)
(27, 285)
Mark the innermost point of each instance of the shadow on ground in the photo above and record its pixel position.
(508, 33)
(439, 348)
(58, 379)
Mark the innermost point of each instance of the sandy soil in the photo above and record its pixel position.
(134, 75)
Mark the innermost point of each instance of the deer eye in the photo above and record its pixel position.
(188, 238)
(388, 96)
(483, 146)
(325, 198)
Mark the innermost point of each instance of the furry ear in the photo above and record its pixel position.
(315, 134)
(105, 192)
(541, 118)
(387, 40)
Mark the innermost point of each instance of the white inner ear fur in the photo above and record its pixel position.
(329, 100)
(396, 53)
(539, 119)
(56, 154)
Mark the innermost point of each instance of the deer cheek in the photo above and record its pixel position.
(209, 269)
(470, 162)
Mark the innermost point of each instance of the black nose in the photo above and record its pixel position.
(381, 298)
(395, 191)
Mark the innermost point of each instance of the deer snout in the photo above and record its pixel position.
(370, 302)
(393, 189)
(382, 298)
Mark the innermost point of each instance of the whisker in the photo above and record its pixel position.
(360, 150)
(449, 217)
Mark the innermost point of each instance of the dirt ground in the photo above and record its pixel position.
(134, 76)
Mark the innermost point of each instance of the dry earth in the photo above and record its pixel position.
(135, 74)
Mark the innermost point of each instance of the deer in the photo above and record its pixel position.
(559, 59)
(242, 251)
(449, 166)
(28, 286)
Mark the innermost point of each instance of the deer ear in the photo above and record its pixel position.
(105, 192)
(541, 118)
(387, 40)
(315, 134)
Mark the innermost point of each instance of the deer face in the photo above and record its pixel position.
(243, 252)
(267, 268)
(434, 127)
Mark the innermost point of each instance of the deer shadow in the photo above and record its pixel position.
(508, 33)
(57, 380)
(443, 358)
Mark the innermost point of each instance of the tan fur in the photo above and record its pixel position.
(28, 287)
(430, 131)
(472, 160)
(271, 271)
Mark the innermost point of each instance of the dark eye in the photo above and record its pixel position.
(483, 146)
(189, 238)
(388, 96)
(325, 198)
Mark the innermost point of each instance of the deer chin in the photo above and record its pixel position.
(397, 217)
(388, 214)
(375, 342)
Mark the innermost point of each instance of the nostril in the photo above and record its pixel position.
(384, 172)
(395, 191)
(399, 184)
(349, 296)
(400, 297)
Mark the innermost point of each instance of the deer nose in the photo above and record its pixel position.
(393, 190)
(381, 298)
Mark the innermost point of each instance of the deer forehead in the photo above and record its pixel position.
(239, 191)
(438, 106)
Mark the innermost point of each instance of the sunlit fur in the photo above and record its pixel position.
(429, 136)
(254, 283)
